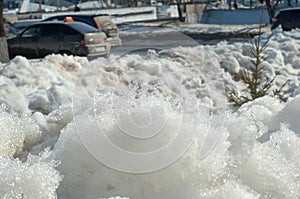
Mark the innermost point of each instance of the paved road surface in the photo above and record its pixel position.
(142, 39)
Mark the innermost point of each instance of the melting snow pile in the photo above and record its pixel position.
(58, 115)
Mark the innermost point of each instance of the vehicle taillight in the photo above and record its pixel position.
(91, 41)
(97, 24)
(274, 20)
(83, 43)
(98, 41)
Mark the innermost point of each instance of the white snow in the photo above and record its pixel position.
(12, 134)
(31, 179)
(209, 28)
(108, 125)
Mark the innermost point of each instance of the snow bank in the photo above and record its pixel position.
(238, 166)
(269, 171)
(12, 134)
(46, 83)
(290, 114)
(75, 108)
(34, 178)
(28, 180)
(158, 27)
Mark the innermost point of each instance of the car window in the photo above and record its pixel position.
(285, 14)
(103, 20)
(85, 21)
(31, 32)
(52, 20)
(69, 31)
(82, 27)
(58, 18)
(50, 30)
(297, 15)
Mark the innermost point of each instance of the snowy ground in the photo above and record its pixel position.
(135, 28)
(150, 126)
(140, 34)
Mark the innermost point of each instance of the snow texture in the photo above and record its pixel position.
(45, 102)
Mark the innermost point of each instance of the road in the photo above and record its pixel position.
(140, 39)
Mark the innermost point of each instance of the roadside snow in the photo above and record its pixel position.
(136, 28)
(53, 106)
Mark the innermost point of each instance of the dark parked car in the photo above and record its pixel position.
(287, 18)
(101, 22)
(41, 39)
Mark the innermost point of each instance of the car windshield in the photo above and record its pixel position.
(105, 22)
(82, 27)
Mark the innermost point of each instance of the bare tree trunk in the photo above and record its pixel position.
(179, 3)
(272, 6)
(3, 45)
(3, 50)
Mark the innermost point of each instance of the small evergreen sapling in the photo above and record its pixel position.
(258, 85)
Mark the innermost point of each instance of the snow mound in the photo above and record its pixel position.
(251, 153)
(27, 180)
(13, 97)
(237, 166)
(281, 180)
(12, 134)
(290, 114)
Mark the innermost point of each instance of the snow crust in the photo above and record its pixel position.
(251, 153)
(28, 179)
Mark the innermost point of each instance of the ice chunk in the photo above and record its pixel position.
(28, 180)
(11, 134)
